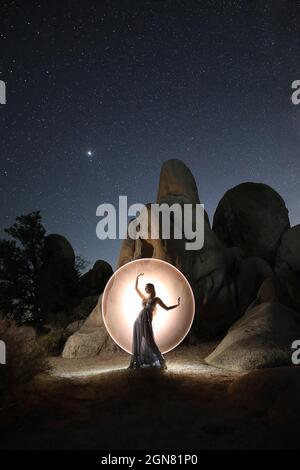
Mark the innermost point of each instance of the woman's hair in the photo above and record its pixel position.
(151, 288)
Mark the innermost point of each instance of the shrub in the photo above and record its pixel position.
(24, 359)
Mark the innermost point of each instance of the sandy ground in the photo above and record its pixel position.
(184, 360)
(99, 404)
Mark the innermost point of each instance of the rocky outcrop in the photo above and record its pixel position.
(84, 307)
(91, 339)
(176, 185)
(239, 288)
(231, 275)
(253, 217)
(59, 287)
(74, 326)
(287, 268)
(177, 180)
(57, 276)
(217, 274)
(94, 281)
(261, 338)
(289, 249)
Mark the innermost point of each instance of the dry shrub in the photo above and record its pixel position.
(24, 359)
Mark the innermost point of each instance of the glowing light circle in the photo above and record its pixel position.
(121, 303)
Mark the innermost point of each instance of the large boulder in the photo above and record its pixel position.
(84, 307)
(253, 217)
(177, 180)
(261, 338)
(238, 289)
(94, 281)
(287, 268)
(289, 249)
(91, 339)
(57, 276)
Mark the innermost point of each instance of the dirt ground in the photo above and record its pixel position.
(99, 404)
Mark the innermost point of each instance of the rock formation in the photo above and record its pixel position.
(253, 217)
(94, 281)
(287, 268)
(231, 277)
(59, 287)
(261, 338)
(57, 275)
(91, 339)
(218, 276)
(176, 185)
(239, 289)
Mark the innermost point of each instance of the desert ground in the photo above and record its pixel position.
(98, 403)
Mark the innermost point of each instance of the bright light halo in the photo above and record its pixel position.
(121, 304)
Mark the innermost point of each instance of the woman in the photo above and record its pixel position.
(145, 350)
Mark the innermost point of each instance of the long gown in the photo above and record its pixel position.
(145, 350)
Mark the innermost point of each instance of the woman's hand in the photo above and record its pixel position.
(178, 301)
(141, 274)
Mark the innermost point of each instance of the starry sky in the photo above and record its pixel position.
(101, 93)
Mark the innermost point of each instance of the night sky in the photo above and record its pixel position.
(101, 93)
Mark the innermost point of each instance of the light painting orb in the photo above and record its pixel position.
(121, 304)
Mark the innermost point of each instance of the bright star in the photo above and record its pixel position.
(90, 155)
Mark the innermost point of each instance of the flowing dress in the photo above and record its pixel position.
(145, 350)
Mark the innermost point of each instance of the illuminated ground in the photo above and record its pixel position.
(99, 404)
(183, 361)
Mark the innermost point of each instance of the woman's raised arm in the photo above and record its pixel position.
(136, 287)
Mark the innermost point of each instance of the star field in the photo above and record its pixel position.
(99, 94)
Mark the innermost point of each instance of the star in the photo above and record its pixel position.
(90, 155)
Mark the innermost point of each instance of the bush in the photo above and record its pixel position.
(24, 359)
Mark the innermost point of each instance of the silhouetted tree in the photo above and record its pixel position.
(81, 264)
(20, 259)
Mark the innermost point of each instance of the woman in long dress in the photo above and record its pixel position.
(145, 350)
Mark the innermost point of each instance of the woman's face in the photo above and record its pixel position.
(148, 289)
